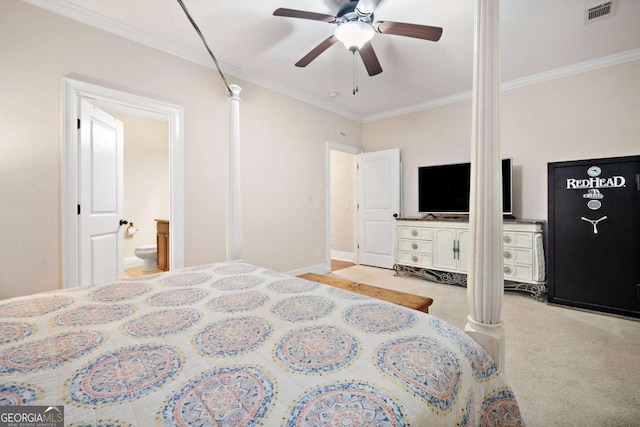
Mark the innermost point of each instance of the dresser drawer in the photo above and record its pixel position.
(517, 272)
(518, 255)
(415, 233)
(422, 246)
(517, 240)
(414, 258)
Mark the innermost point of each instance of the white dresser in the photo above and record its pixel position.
(437, 250)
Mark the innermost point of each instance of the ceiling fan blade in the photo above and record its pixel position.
(303, 14)
(416, 31)
(316, 51)
(370, 60)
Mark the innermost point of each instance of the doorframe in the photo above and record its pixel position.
(72, 91)
(336, 146)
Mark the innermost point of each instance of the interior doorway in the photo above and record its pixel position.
(341, 203)
(73, 92)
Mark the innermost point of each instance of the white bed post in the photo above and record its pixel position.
(234, 217)
(485, 280)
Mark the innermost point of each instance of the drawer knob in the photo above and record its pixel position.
(414, 258)
(507, 269)
(414, 246)
(506, 239)
(507, 254)
(414, 232)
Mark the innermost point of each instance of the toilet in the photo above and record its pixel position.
(149, 255)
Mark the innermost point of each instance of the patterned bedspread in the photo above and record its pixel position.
(233, 344)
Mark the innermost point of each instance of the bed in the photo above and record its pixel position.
(233, 344)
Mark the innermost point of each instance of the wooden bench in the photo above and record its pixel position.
(404, 299)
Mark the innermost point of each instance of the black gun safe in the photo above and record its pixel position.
(593, 248)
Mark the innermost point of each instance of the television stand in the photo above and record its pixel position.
(437, 249)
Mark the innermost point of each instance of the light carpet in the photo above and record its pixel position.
(567, 367)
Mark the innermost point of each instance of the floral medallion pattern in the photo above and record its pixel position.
(14, 331)
(94, 315)
(241, 301)
(34, 306)
(380, 318)
(225, 397)
(237, 283)
(123, 374)
(501, 409)
(236, 268)
(233, 336)
(293, 286)
(161, 323)
(18, 394)
(302, 308)
(177, 297)
(185, 279)
(118, 292)
(48, 352)
(347, 404)
(482, 364)
(317, 349)
(426, 367)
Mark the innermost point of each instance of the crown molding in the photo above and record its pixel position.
(558, 73)
(85, 16)
(72, 11)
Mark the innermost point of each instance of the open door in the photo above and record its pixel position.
(100, 196)
(378, 206)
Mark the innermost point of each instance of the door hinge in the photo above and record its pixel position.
(78, 123)
(78, 209)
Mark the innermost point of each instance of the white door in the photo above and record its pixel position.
(100, 196)
(378, 206)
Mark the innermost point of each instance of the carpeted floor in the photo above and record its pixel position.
(567, 367)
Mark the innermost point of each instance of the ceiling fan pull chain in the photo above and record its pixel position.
(355, 74)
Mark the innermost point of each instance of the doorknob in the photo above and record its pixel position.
(395, 215)
(124, 222)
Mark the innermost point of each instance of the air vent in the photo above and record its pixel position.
(599, 12)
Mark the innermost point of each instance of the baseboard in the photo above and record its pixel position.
(343, 256)
(133, 261)
(318, 269)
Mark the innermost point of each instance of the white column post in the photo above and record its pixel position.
(234, 217)
(485, 280)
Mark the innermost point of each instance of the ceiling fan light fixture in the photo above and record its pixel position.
(354, 34)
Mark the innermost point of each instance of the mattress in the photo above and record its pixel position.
(231, 344)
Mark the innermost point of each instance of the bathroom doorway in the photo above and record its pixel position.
(146, 189)
(164, 118)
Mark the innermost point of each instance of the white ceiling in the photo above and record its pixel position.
(538, 38)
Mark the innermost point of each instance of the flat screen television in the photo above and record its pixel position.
(444, 189)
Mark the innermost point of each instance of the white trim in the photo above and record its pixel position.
(77, 13)
(80, 14)
(327, 194)
(570, 70)
(72, 91)
(318, 269)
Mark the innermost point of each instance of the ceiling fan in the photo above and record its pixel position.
(355, 28)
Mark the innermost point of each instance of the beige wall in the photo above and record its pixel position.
(589, 115)
(343, 202)
(282, 143)
(147, 187)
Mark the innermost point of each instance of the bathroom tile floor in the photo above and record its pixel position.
(137, 272)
